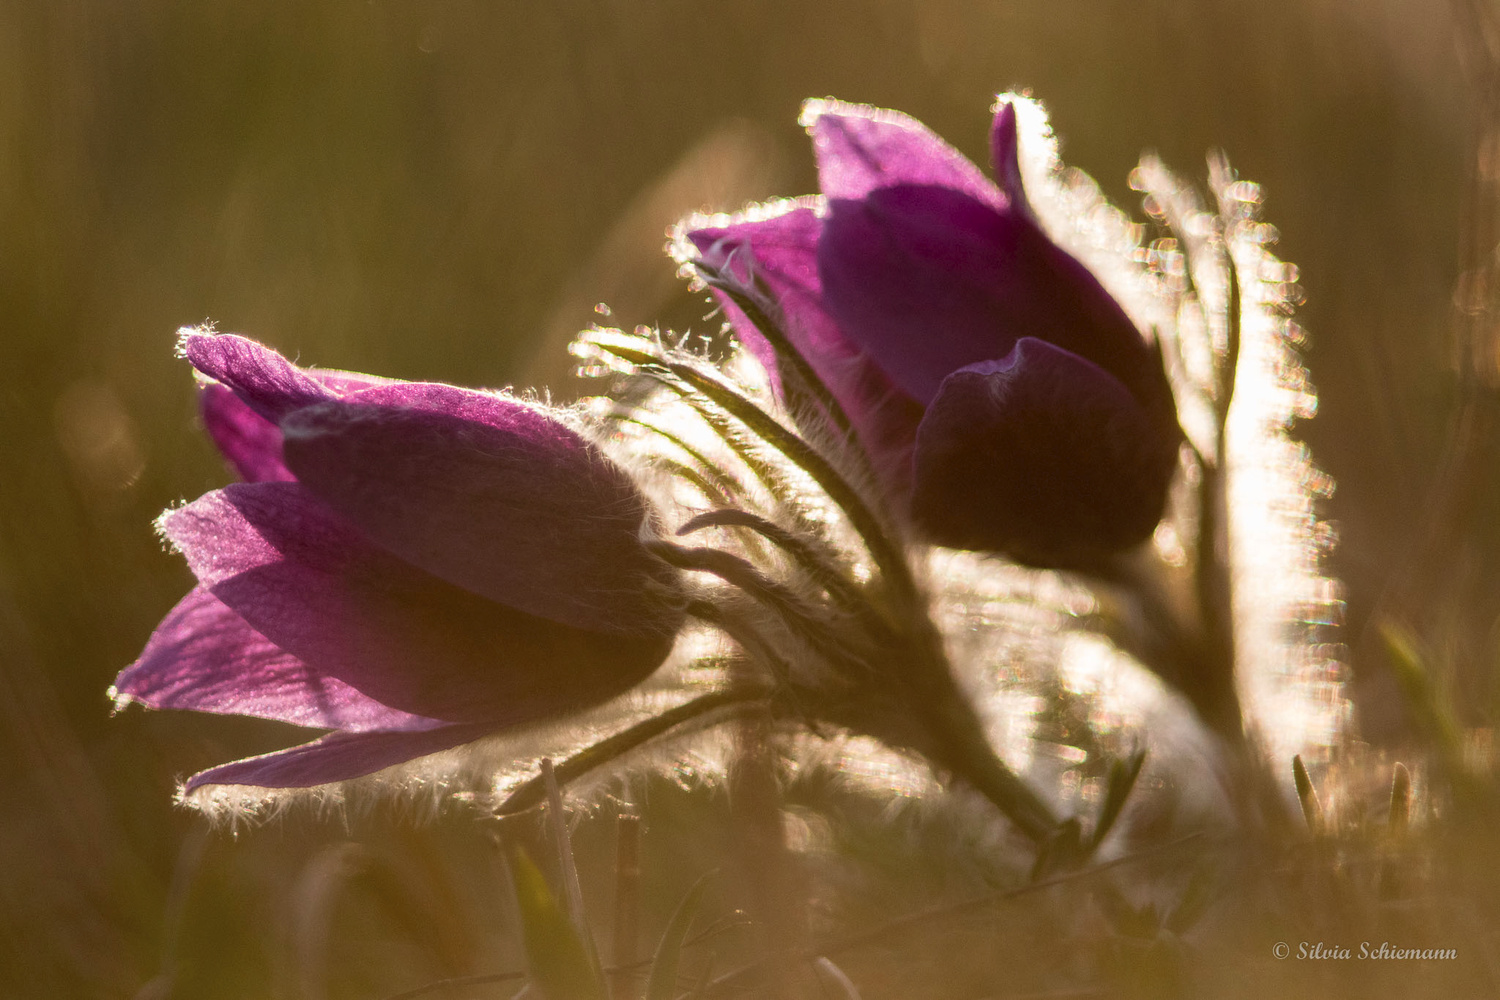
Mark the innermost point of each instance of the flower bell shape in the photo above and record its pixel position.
(410, 565)
(1001, 392)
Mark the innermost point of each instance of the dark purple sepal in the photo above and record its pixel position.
(492, 495)
(1043, 456)
(928, 280)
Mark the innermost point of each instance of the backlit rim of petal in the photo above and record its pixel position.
(860, 149)
(269, 384)
(334, 758)
(1005, 155)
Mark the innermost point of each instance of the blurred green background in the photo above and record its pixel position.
(443, 190)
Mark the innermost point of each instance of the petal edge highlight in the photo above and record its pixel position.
(206, 658)
(861, 149)
(335, 757)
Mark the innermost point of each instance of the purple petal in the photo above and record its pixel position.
(928, 280)
(1005, 156)
(778, 257)
(493, 495)
(861, 149)
(1043, 456)
(775, 257)
(318, 589)
(268, 383)
(336, 757)
(251, 443)
(205, 657)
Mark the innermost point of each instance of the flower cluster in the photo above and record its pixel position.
(415, 566)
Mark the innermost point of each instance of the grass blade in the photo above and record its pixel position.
(1312, 811)
(661, 984)
(560, 962)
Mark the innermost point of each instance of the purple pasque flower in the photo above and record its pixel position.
(998, 389)
(410, 565)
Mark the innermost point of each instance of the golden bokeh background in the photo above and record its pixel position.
(443, 190)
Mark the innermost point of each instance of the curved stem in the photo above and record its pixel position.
(1197, 662)
(965, 749)
(533, 791)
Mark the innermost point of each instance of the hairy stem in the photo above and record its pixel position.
(533, 791)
